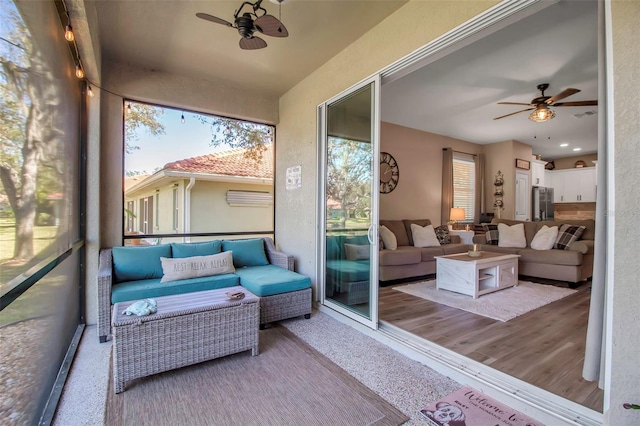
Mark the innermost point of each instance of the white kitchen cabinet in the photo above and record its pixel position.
(537, 173)
(573, 185)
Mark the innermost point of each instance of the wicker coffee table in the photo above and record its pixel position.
(187, 329)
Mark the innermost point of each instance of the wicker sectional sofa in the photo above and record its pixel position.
(132, 273)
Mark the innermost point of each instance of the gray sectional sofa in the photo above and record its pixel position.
(572, 265)
(132, 273)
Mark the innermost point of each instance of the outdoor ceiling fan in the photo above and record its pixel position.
(540, 105)
(248, 22)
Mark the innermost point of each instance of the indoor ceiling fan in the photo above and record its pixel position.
(248, 22)
(540, 105)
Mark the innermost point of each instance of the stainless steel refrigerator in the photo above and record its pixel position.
(542, 203)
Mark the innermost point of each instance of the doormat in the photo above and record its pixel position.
(470, 407)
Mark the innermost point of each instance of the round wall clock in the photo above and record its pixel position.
(389, 173)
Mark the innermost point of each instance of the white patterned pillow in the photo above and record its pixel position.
(196, 266)
(511, 236)
(545, 238)
(388, 238)
(356, 251)
(424, 236)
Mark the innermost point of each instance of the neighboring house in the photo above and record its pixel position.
(222, 192)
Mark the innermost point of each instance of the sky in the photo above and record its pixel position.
(180, 141)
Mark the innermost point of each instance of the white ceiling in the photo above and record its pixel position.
(455, 96)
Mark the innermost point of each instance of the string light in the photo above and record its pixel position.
(79, 72)
(68, 30)
(89, 91)
(182, 118)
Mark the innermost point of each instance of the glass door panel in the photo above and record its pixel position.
(350, 197)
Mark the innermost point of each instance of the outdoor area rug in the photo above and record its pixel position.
(502, 305)
(289, 383)
(469, 407)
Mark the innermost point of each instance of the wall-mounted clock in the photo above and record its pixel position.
(389, 173)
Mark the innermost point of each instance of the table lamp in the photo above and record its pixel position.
(456, 215)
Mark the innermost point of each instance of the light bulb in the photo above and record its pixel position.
(90, 91)
(541, 114)
(182, 119)
(68, 33)
(79, 72)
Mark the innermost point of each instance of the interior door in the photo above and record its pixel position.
(522, 196)
(349, 146)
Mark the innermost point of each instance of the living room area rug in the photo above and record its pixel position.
(502, 305)
(289, 382)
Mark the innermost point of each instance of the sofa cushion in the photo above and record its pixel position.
(139, 262)
(455, 248)
(530, 228)
(496, 249)
(589, 224)
(427, 254)
(183, 268)
(407, 227)
(335, 247)
(402, 256)
(545, 238)
(567, 235)
(511, 236)
(246, 252)
(196, 249)
(388, 238)
(150, 288)
(442, 232)
(551, 257)
(348, 270)
(424, 236)
(491, 233)
(398, 229)
(271, 279)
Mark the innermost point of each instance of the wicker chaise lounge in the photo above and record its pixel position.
(283, 293)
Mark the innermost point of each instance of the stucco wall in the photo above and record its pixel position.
(409, 28)
(625, 317)
(419, 156)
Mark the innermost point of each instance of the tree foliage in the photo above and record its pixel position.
(145, 116)
(252, 137)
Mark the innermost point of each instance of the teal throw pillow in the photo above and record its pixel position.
(206, 248)
(246, 252)
(139, 263)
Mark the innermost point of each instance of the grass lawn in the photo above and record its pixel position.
(33, 302)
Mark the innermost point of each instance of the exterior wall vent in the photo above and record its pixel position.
(249, 198)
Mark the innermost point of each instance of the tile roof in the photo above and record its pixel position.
(231, 162)
(134, 180)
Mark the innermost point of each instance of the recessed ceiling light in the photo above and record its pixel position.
(564, 144)
(577, 149)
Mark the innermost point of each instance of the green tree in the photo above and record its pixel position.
(139, 116)
(252, 137)
(30, 132)
(349, 177)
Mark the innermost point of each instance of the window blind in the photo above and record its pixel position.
(464, 184)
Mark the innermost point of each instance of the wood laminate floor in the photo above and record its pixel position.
(544, 347)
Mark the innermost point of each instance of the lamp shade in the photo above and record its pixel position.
(457, 214)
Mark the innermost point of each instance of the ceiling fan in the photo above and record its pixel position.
(540, 105)
(248, 22)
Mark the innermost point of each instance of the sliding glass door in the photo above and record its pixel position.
(349, 135)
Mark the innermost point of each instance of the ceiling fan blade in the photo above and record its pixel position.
(514, 113)
(514, 103)
(271, 26)
(252, 43)
(215, 19)
(577, 103)
(565, 93)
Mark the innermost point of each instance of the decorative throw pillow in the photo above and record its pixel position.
(197, 266)
(246, 252)
(356, 252)
(568, 234)
(388, 238)
(424, 236)
(491, 233)
(442, 233)
(511, 236)
(545, 238)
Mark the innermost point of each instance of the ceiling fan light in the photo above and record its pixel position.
(542, 114)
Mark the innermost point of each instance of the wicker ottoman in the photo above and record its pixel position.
(187, 329)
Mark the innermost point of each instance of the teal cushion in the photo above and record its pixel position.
(142, 289)
(271, 279)
(246, 252)
(196, 249)
(139, 263)
(348, 270)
